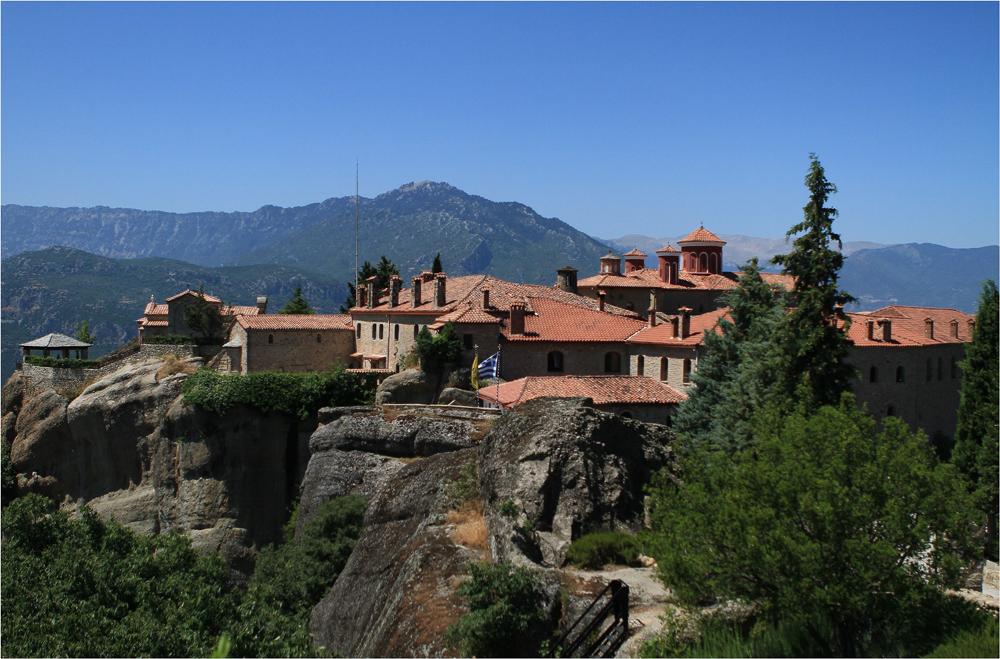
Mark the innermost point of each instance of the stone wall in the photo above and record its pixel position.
(928, 403)
(296, 351)
(653, 363)
(391, 338)
(523, 358)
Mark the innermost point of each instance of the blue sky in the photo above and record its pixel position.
(616, 118)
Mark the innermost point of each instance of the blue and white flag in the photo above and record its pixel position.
(488, 367)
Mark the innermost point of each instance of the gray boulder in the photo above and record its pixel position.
(404, 435)
(569, 470)
(412, 386)
(457, 397)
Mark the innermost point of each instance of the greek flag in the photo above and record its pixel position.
(488, 367)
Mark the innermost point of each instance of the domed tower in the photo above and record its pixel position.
(668, 258)
(611, 264)
(701, 253)
(634, 260)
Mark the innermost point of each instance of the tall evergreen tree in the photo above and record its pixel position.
(385, 269)
(977, 435)
(297, 304)
(815, 370)
(364, 272)
(437, 267)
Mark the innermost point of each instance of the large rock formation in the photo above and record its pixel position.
(570, 470)
(131, 449)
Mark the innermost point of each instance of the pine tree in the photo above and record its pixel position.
(297, 304)
(813, 337)
(437, 267)
(364, 272)
(977, 435)
(83, 332)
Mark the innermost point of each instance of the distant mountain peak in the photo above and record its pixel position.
(427, 185)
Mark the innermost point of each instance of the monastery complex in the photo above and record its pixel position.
(630, 339)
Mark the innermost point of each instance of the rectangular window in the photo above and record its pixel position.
(467, 341)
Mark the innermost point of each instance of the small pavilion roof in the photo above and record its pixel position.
(56, 340)
(634, 253)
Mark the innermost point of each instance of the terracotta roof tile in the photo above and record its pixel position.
(470, 315)
(279, 321)
(909, 326)
(668, 249)
(210, 298)
(635, 253)
(603, 389)
(650, 278)
(154, 309)
(702, 235)
(552, 320)
(662, 334)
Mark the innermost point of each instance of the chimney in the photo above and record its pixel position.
(262, 304)
(566, 279)
(685, 322)
(427, 275)
(929, 328)
(871, 330)
(372, 291)
(439, 289)
(362, 292)
(395, 283)
(600, 300)
(415, 291)
(486, 297)
(886, 326)
(675, 328)
(652, 317)
(652, 300)
(972, 327)
(517, 318)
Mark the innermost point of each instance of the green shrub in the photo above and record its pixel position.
(296, 394)
(59, 362)
(464, 490)
(503, 606)
(596, 550)
(983, 642)
(436, 351)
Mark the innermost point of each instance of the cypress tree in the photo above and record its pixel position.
(297, 304)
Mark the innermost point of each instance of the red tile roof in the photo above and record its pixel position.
(909, 326)
(662, 333)
(650, 278)
(669, 249)
(280, 321)
(553, 320)
(154, 309)
(635, 253)
(210, 298)
(702, 235)
(470, 315)
(468, 291)
(603, 389)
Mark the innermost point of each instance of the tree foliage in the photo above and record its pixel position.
(206, 319)
(828, 518)
(976, 437)
(436, 351)
(436, 267)
(503, 606)
(384, 270)
(815, 346)
(83, 333)
(297, 304)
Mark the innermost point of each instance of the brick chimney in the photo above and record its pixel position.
(675, 328)
(427, 275)
(972, 327)
(871, 330)
(929, 328)
(517, 318)
(372, 291)
(954, 328)
(886, 330)
(440, 280)
(395, 283)
(415, 291)
(362, 292)
(600, 300)
(685, 321)
(652, 317)
(262, 304)
(566, 279)
(486, 297)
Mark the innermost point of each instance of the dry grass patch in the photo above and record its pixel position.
(470, 527)
(172, 366)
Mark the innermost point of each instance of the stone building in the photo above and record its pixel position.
(642, 398)
(669, 347)
(168, 318)
(288, 343)
(908, 360)
(691, 277)
(485, 313)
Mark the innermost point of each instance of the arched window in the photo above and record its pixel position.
(954, 369)
(555, 362)
(890, 411)
(626, 414)
(612, 362)
(373, 330)
(381, 331)
(873, 374)
(319, 338)
(703, 263)
(930, 371)
(416, 330)
(640, 366)
(900, 374)
(270, 338)
(630, 306)
(358, 330)
(940, 369)
(714, 259)
(664, 368)
(395, 333)
(687, 371)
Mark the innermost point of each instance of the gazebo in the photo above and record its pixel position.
(59, 343)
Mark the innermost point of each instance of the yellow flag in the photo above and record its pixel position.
(475, 372)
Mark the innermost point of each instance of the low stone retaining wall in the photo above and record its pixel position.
(40, 378)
